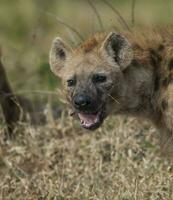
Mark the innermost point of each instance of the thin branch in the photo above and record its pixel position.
(0, 52)
(60, 21)
(133, 12)
(97, 14)
(113, 98)
(45, 92)
(120, 18)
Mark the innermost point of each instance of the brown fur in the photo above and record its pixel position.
(144, 88)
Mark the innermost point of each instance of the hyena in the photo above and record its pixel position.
(119, 73)
(17, 108)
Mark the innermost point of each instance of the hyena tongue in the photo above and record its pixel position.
(88, 119)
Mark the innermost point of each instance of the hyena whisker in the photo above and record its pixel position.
(60, 21)
(119, 16)
(97, 14)
(113, 98)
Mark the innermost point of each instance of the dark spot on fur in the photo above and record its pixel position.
(167, 80)
(157, 82)
(171, 64)
(109, 86)
(135, 63)
(164, 105)
(137, 46)
(161, 47)
(155, 58)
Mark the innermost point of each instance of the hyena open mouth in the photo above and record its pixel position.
(91, 121)
(90, 111)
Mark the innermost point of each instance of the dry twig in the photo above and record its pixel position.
(119, 16)
(113, 98)
(97, 14)
(133, 12)
(60, 21)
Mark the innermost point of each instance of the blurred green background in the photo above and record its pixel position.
(27, 28)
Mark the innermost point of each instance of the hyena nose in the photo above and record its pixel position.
(82, 101)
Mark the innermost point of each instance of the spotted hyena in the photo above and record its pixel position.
(119, 73)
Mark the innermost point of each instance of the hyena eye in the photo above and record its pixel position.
(98, 78)
(71, 82)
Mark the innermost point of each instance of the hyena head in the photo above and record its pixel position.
(92, 74)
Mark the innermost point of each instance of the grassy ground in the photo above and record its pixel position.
(60, 160)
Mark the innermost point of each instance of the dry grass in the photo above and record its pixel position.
(61, 161)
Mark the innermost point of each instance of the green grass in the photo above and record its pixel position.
(60, 160)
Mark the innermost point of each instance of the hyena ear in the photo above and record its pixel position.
(118, 48)
(58, 56)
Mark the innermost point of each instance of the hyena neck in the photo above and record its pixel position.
(140, 89)
(137, 92)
